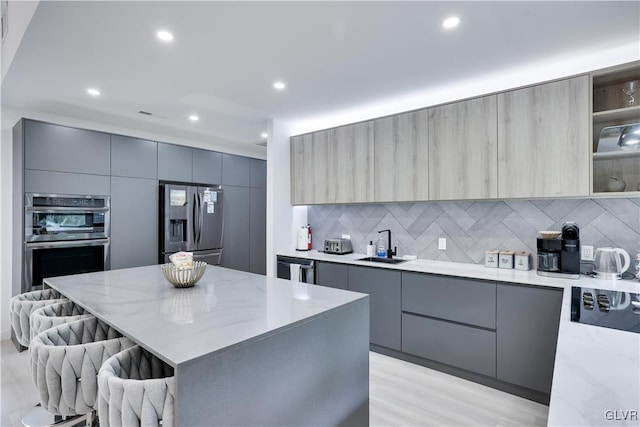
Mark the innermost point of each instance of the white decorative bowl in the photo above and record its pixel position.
(184, 278)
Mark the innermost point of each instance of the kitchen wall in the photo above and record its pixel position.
(471, 227)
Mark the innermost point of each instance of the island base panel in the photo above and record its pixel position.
(312, 373)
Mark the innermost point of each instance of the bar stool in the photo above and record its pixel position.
(56, 314)
(64, 366)
(136, 388)
(20, 309)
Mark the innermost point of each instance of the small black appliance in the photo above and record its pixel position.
(560, 256)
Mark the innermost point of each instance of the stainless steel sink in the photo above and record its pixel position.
(382, 260)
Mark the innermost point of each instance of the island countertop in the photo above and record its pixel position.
(225, 308)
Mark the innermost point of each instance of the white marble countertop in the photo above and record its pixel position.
(225, 308)
(596, 379)
(458, 269)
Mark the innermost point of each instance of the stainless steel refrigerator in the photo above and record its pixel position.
(191, 220)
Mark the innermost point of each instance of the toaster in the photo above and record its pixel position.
(337, 246)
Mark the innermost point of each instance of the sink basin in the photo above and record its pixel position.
(382, 260)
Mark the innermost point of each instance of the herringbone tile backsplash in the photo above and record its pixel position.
(475, 226)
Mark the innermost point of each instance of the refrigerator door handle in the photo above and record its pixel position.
(200, 217)
(195, 219)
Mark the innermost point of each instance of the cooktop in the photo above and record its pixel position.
(608, 309)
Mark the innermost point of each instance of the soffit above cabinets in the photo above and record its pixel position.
(335, 57)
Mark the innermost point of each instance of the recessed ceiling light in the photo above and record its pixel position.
(165, 36)
(264, 135)
(451, 22)
(279, 85)
(93, 91)
(194, 118)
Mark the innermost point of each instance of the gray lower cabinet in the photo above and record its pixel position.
(450, 320)
(258, 231)
(527, 326)
(134, 222)
(457, 345)
(207, 166)
(383, 287)
(133, 157)
(58, 148)
(175, 162)
(237, 216)
(332, 275)
(456, 299)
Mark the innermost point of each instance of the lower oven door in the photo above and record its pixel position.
(51, 259)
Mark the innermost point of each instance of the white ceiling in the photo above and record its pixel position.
(334, 56)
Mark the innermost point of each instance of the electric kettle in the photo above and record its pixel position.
(608, 265)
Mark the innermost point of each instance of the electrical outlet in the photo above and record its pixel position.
(442, 243)
(346, 236)
(586, 253)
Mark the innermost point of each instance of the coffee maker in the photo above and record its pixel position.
(560, 256)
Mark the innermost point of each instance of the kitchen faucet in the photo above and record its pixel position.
(390, 252)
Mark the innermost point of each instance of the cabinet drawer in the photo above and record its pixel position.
(461, 346)
(460, 300)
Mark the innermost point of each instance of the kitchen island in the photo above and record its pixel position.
(246, 349)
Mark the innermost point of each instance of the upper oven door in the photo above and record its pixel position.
(61, 218)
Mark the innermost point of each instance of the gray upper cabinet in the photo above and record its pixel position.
(134, 222)
(527, 332)
(36, 181)
(401, 157)
(133, 157)
(236, 170)
(543, 140)
(207, 166)
(350, 167)
(51, 147)
(258, 173)
(463, 150)
(175, 162)
(383, 287)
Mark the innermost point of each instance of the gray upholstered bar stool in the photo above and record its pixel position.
(22, 306)
(64, 366)
(136, 388)
(56, 314)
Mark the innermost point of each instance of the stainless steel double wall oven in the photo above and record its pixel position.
(64, 234)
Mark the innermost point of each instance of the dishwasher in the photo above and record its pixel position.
(307, 274)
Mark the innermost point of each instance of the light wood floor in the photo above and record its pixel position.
(401, 393)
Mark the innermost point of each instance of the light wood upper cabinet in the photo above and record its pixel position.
(350, 167)
(463, 150)
(543, 140)
(309, 168)
(526, 143)
(401, 157)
